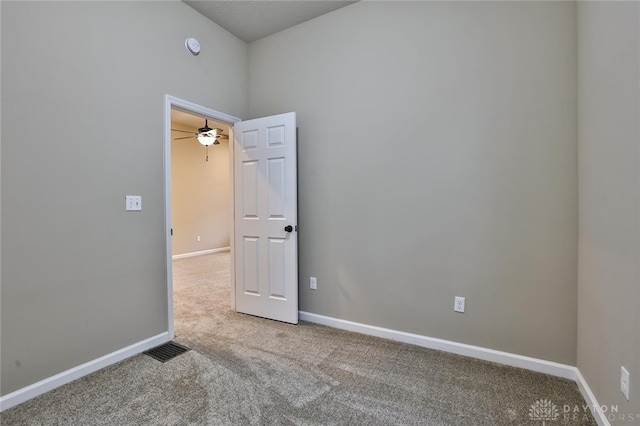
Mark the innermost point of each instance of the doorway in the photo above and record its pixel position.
(189, 243)
(200, 186)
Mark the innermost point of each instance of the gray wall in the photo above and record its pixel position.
(200, 194)
(437, 157)
(609, 230)
(82, 126)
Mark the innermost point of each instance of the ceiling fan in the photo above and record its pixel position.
(206, 135)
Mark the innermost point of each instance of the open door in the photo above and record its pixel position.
(266, 214)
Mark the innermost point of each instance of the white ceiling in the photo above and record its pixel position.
(251, 20)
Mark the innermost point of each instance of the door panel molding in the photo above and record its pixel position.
(265, 175)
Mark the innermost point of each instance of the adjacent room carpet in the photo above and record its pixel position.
(244, 370)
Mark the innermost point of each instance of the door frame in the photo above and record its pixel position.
(174, 102)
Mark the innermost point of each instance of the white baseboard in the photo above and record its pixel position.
(590, 399)
(36, 389)
(200, 253)
(506, 358)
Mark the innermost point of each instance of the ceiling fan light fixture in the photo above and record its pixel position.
(206, 139)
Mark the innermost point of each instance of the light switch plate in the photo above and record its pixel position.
(133, 203)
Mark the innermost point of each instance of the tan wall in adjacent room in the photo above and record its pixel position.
(200, 195)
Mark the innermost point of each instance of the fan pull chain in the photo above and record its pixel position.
(207, 157)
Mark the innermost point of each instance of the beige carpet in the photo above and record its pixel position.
(250, 371)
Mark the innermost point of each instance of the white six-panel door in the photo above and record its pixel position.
(266, 249)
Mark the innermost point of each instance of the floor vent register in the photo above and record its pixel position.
(167, 351)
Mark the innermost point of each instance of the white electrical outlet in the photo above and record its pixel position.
(624, 382)
(313, 283)
(458, 304)
(198, 238)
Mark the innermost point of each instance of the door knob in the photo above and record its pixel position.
(288, 228)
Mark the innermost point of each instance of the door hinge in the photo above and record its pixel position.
(296, 228)
(172, 232)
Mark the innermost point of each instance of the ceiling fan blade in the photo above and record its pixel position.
(183, 131)
(186, 137)
(217, 131)
(223, 136)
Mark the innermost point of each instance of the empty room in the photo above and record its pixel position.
(430, 215)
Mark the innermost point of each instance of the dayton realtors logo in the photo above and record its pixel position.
(543, 410)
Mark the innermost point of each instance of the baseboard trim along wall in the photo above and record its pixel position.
(36, 389)
(590, 399)
(505, 358)
(200, 253)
